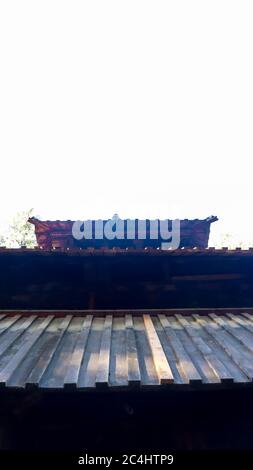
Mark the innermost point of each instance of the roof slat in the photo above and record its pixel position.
(102, 377)
(161, 364)
(6, 322)
(14, 332)
(6, 373)
(88, 369)
(118, 364)
(197, 358)
(196, 335)
(184, 361)
(235, 330)
(134, 377)
(222, 337)
(52, 337)
(53, 378)
(71, 378)
(148, 372)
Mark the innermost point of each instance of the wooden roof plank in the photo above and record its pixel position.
(118, 363)
(71, 378)
(235, 371)
(202, 366)
(57, 369)
(236, 330)
(161, 364)
(102, 377)
(184, 361)
(7, 321)
(247, 323)
(249, 316)
(222, 337)
(178, 374)
(134, 376)
(196, 335)
(14, 332)
(19, 377)
(53, 338)
(89, 365)
(6, 373)
(149, 377)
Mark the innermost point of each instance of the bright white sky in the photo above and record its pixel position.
(136, 107)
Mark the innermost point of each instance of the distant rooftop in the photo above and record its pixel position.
(58, 234)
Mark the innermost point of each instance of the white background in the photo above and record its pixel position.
(136, 107)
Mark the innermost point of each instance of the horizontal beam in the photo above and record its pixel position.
(120, 312)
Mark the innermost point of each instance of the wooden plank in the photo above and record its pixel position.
(246, 323)
(8, 370)
(161, 364)
(195, 332)
(71, 378)
(14, 332)
(134, 376)
(235, 371)
(183, 359)
(89, 365)
(179, 377)
(53, 338)
(202, 366)
(6, 322)
(247, 315)
(118, 363)
(45, 343)
(235, 330)
(222, 337)
(57, 369)
(149, 377)
(102, 377)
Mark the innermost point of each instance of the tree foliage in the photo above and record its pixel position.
(20, 232)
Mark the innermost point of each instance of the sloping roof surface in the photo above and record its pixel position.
(93, 351)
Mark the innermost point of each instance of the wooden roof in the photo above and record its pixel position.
(57, 233)
(108, 350)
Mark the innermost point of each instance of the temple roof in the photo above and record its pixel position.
(58, 234)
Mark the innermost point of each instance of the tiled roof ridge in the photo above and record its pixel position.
(209, 219)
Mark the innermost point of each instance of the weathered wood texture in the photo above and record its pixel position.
(58, 234)
(90, 352)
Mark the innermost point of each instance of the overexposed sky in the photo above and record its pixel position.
(136, 107)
